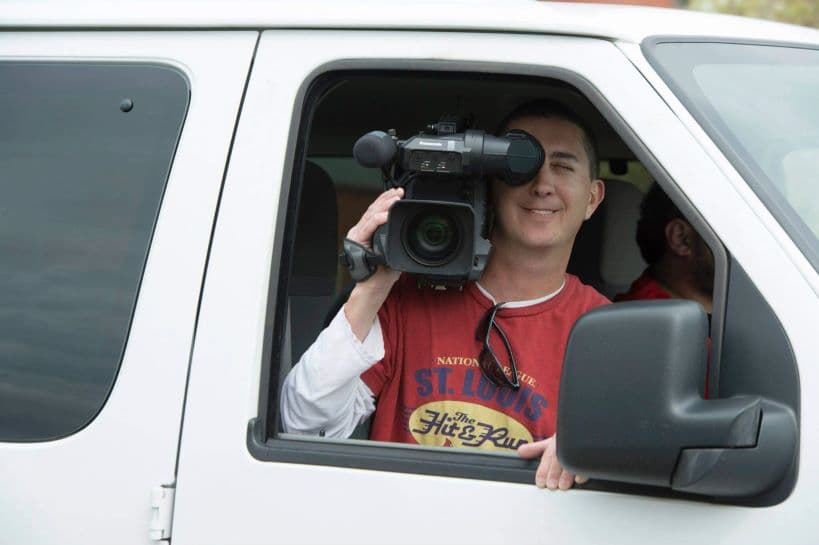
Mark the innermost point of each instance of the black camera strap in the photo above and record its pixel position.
(359, 260)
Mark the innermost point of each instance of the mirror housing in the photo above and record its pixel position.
(631, 407)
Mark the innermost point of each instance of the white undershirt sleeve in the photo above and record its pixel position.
(324, 392)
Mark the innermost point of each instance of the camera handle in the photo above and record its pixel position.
(402, 181)
(359, 260)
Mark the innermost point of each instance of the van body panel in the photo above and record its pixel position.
(301, 503)
(621, 22)
(95, 486)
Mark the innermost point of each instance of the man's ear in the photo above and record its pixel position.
(679, 237)
(596, 194)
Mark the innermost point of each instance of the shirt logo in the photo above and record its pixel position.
(463, 424)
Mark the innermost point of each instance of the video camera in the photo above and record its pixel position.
(438, 230)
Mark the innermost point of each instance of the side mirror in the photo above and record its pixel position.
(631, 407)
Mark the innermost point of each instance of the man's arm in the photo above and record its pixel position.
(324, 392)
(367, 297)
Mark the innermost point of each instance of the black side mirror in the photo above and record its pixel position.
(631, 407)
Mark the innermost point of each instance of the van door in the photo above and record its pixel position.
(112, 152)
(241, 480)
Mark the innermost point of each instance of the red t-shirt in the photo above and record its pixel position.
(645, 287)
(429, 387)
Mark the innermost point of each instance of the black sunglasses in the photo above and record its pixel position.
(488, 361)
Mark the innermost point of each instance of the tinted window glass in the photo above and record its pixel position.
(85, 151)
(759, 102)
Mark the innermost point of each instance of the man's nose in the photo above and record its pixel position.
(543, 185)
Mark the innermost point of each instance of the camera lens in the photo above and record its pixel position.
(432, 239)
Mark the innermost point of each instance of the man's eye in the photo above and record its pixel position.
(562, 166)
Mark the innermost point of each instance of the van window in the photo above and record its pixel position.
(85, 151)
(330, 192)
(758, 101)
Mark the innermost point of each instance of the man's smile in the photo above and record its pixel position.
(541, 211)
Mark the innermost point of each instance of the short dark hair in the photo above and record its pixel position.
(549, 109)
(656, 211)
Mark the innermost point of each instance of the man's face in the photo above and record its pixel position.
(548, 211)
(703, 263)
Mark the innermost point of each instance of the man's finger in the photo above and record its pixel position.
(378, 209)
(532, 450)
(542, 473)
(376, 215)
(385, 196)
(373, 222)
(553, 475)
(566, 480)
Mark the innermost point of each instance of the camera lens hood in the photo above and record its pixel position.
(515, 157)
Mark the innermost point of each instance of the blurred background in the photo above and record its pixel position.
(799, 12)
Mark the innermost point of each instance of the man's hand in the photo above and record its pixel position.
(375, 216)
(368, 296)
(550, 474)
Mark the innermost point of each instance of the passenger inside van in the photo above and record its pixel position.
(680, 264)
(477, 368)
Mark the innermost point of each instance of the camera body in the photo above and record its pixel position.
(438, 231)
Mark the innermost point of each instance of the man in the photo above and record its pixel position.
(680, 264)
(456, 368)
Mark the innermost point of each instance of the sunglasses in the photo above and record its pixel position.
(490, 365)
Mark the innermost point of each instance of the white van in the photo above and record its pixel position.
(176, 179)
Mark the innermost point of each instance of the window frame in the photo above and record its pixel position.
(263, 441)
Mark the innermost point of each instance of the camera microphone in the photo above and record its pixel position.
(375, 149)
